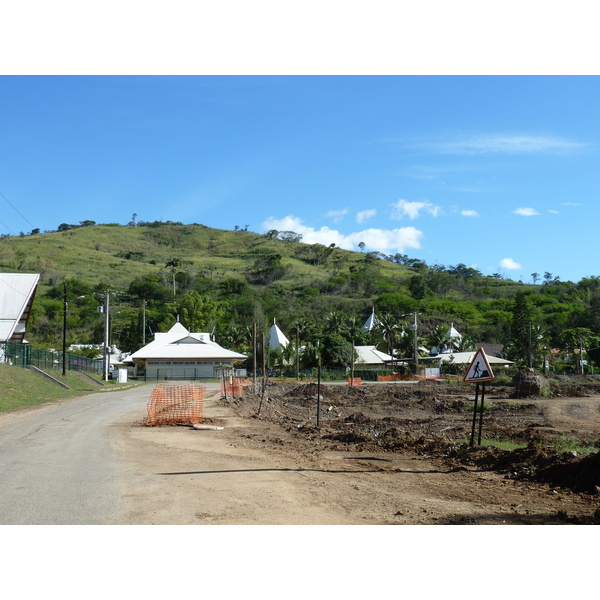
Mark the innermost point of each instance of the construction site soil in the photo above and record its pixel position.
(556, 463)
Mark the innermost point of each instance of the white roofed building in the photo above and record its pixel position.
(369, 356)
(17, 291)
(183, 355)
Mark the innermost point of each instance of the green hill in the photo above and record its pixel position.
(227, 281)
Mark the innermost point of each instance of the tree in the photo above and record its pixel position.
(173, 264)
(520, 330)
(574, 340)
(440, 339)
(535, 277)
(362, 245)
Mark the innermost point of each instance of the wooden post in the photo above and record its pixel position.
(352, 368)
(318, 394)
(264, 382)
(254, 356)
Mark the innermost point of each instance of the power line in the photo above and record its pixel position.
(1, 194)
(7, 227)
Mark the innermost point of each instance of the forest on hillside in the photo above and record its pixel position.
(228, 282)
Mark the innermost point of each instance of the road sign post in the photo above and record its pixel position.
(479, 371)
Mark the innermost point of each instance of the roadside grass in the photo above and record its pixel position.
(22, 388)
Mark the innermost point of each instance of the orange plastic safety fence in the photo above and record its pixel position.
(352, 381)
(176, 404)
(234, 389)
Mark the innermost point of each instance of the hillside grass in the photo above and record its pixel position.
(93, 254)
(21, 388)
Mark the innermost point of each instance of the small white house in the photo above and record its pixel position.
(183, 355)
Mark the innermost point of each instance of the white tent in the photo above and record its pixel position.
(16, 298)
(371, 322)
(276, 337)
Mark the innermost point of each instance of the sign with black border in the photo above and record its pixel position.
(479, 369)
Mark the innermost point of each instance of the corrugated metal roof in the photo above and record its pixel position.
(178, 342)
(369, 355)
(16, 297)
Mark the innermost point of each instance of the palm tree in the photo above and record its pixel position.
(173, 263)
(440, 339)
(388, 327)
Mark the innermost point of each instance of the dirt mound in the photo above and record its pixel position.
(578, 474)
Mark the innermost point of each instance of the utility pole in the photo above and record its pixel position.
(416, 345)
(65, 309)
(297, 353)
(144, 324)
(106, 359)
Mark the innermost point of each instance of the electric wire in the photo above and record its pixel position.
(11, 204)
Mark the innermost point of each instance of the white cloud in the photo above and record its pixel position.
(510, 264)
(381, 240)
(469, 213)
(526, 212)
(405, 208)
(554, 212)
(337, 215)
(507, 144)
(363, 215)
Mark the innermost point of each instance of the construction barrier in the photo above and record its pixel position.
(353, 381)
(395, 377)
(171, 404)
(234, 388)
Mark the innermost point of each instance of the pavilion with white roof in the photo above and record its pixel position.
(183, 355)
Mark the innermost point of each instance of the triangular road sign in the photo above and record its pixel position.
(479, 369)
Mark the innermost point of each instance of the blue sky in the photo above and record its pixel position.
(496, 172)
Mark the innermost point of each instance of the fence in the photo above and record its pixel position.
(234, 388)
(171, 404)
(23, 355)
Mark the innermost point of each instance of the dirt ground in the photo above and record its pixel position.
(375, 426)
(394, 453)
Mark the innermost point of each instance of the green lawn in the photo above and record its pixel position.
(22, 388)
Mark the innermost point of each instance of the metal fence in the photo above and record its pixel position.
(23, 355)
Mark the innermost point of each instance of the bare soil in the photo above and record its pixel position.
(401, 451)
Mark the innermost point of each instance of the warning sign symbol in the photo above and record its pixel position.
(479, 369)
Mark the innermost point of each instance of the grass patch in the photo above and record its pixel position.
(22, 388)
(496, 442)
(568, 444)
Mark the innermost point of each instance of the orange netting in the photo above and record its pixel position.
(235, 388)
(352, 381)
(176, 404)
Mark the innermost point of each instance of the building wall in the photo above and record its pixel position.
(184, 369)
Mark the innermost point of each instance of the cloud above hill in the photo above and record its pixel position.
(387, 241)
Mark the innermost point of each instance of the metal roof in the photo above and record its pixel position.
(369, 355)
(16, 298)
(179, 343)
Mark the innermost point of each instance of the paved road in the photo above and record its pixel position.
(65, 463)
